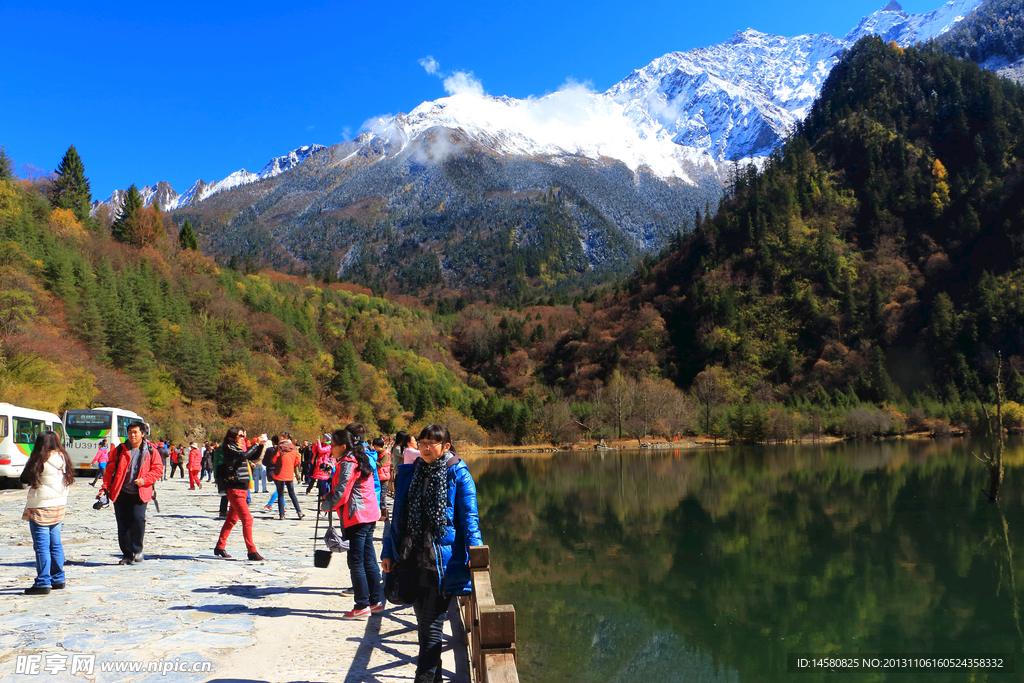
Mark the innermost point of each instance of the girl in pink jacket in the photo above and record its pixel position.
(100, 461)
(355, 499)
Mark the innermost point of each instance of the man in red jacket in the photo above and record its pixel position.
(132, 469)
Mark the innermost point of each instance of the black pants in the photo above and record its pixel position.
(130, 513)
(291, 494)
(431, 608)
(181, 469)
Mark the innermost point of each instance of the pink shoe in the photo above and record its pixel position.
(356, 613)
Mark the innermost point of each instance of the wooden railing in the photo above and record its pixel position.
(490, 628)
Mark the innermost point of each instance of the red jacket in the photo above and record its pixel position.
(195, 459)
(120, 459)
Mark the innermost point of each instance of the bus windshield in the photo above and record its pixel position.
(87, 419)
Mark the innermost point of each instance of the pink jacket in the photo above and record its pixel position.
(359, 501)
(321, 454)
(101, 457)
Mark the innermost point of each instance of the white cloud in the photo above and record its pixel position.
(463, 83)
(430, 64)
(456, 83)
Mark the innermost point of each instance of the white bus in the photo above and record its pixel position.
(19, 428)
(86, 428)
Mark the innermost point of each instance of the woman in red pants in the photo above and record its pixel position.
(195, 463)
(236, 465)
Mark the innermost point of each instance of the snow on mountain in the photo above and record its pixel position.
(738, 99)
(167, 199)
(682, 114)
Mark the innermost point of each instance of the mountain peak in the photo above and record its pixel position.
(893, 7)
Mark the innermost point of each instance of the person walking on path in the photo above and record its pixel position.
(307, 458)
(434, 523)
(259, 469)
(383, 475)
(284, 461)
(100, 461)
(207, 464)
(236, 482)
(161, 448)
(195, 462)
(176, 457)
(355, 501)
(133, 468)
(49, 473)
(322, 466)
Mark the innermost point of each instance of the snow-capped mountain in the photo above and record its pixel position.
(168, 200)
(679, 117)
(738, 99)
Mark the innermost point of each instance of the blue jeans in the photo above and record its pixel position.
(259, 474)
(49, 554)
(362, 564)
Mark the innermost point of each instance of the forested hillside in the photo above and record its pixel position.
(878, 254)
(994, 32)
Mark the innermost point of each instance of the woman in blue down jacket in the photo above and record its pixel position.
(435, 521)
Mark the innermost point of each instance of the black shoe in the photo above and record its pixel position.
(57, 586)
(124, 560)
(221, 553)
(256, 557)
(38, 590)
(138, 557)
(301, 515)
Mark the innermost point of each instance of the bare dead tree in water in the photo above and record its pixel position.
(994, 460)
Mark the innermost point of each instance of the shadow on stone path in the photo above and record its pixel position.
(254, 622)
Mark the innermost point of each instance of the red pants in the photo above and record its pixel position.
(193, 479)
(238, 509)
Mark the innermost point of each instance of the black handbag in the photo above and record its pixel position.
(400, 583)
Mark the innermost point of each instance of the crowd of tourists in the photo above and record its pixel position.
(425, 553)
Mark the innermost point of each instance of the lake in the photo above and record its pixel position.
(694, 565)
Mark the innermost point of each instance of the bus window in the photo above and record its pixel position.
(59, 428)
(26, 431)
(122, 425)
(88, 420)
(3, 426)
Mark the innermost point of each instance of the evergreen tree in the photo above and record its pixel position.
(126, 226)
(6, 167)
(347, 382)
(187, 237)
(374, 353)
(71, 188)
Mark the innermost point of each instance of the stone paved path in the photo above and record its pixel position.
(253, 621)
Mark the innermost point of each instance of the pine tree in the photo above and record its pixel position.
(187, 237)
(6, 167)
(71, 188)
(126, 226)
(347, 381)
(374, 353)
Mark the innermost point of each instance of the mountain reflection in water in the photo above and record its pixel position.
(687, 565)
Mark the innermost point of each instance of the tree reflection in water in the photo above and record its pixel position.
(684, 565)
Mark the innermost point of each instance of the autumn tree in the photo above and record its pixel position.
(70, 190)
(712, 388)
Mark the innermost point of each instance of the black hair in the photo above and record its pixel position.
(377, 443)
(437, 433)
(137, 423)
(402, 441)
(357, 429)
(46, 443)
(230, 439)
(353, 445)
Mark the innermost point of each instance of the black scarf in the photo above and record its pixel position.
(427, 510)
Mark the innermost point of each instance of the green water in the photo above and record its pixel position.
(714, 566)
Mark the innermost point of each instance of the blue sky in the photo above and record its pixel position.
(177, 92)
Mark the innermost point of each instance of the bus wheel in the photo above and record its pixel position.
(14, 483)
